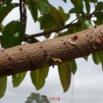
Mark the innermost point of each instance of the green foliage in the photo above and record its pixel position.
(99, 6)
(3, 84)
(36, 97)
(73, 66)
(64, 70)
(5, 10)
(12, 34)
(18, 78)
(96, 58)
(6, 2)
(85, 57)
(100, 54)
(78, 5)
(33, 9)
(50, 19)
(65, 1)
(38, 77)
(99, 16)
(88, 24)
(43, 6)
(87, 5)
(65, 16)
(93, 1)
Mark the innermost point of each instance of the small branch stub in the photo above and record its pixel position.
(72, 40)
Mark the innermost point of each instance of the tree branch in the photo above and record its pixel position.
(51, 31)
(32, 56)
(57, 29)
(23, 16)
(20, 8)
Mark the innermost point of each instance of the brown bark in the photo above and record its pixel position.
(32, 56)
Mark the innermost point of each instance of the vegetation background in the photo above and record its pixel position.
(51, 17)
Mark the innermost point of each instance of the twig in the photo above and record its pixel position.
(20, 8)
(27, 36)
(91, 14)
(54, 30)
(23, 16)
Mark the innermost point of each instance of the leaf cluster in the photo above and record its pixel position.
(38, 98)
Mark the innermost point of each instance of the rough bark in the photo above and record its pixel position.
(32, 56)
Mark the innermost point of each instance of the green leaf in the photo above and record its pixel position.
(88, 24)
(96, 58)
(0, 39)
(18, 78)
(8, 1)
(83, 20)
(13, 34)
(64, 70)
(38, 77)
(1, 28)
(55, 14)
(38, 98)
(65, 1)
(85, 57)
(75, 29)
(100, 54)
(87, 5)
(4, 11)
(99, 6)
(43, 6)
(3, 84)
(93, 1)
(72, 10)
(73, 66)
(64, 15)
(33, 9)
(51, 20)
(99, 16)
(78, 4)
(47, 22)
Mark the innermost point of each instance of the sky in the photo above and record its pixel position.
(86, 85)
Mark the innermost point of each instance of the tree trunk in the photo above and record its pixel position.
(32, 56)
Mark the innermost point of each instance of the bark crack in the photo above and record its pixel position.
(29, 58)
(45, 52)
(66, 45)
(9, 69)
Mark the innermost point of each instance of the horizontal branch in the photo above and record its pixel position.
(32, 56)
(71, 24)
(27, 36)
